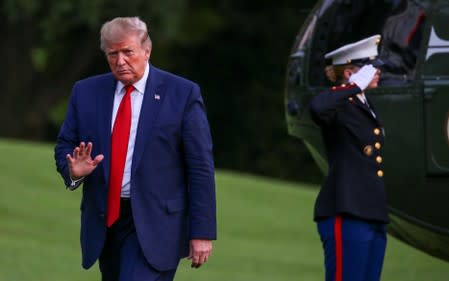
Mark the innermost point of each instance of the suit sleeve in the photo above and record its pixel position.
(324, 106)
(67, 139)
(199, 162)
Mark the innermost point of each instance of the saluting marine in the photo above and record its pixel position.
(351, 209)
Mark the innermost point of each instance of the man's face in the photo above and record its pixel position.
(127, 59)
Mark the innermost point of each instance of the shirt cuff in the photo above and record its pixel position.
(74, 184)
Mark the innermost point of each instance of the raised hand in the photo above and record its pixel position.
(364, 76)
(81, 163)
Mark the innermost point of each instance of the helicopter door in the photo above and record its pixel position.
(435, 74)
(436, 110)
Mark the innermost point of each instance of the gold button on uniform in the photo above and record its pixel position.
(377, 145)
(380, 173)
(377, 131)
(368, 150)
(379, 159)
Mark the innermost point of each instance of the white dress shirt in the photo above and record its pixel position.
(136, 105)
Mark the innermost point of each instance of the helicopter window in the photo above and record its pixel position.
(401, 40)
(437, 53)
(400, 22)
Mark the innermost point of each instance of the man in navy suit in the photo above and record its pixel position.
(138, 140)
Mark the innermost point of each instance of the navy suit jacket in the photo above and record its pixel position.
(172, 174)
(353, 138)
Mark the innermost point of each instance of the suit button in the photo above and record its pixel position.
(377, 131)
(379, 159)
(377, 145)
(102, 216)
(380, 173)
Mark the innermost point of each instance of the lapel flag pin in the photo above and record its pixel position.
(157, 97)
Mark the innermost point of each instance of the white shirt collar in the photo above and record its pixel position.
(362, 98)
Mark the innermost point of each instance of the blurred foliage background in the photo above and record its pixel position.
(236, 50)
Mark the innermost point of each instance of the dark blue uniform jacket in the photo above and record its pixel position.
(354, 139)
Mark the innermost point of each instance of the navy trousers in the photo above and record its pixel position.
(354, 249)
(122, 258)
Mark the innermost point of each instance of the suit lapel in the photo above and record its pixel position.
(105, 103)
(152, 102)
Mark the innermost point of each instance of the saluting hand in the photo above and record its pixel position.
(200, 251)
(364, 76)
(81, 163)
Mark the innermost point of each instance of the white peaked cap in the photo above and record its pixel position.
(365, 49)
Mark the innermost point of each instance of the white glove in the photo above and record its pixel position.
(364, 76)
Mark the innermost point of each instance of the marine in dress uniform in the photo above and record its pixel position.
(351, 208)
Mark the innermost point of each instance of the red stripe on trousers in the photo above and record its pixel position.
(338, 250)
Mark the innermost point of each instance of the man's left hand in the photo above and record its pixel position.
(200, 251)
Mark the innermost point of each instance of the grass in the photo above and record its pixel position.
(265, 229)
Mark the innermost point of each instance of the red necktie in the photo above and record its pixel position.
(119, 148)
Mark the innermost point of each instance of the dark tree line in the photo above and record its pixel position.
(236, 50)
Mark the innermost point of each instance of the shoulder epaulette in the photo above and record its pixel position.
(343, 87)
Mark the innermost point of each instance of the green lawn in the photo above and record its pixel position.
(264, 225)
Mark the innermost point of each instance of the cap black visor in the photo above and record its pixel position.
(375, 62)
